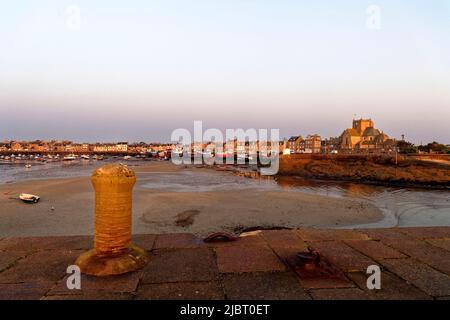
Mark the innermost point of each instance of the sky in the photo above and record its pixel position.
(137, 70)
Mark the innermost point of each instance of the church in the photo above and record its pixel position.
(363, 136)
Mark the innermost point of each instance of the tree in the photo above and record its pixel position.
(406, 147)
(434, 147)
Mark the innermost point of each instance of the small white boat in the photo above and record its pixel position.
(70, 157)
(85, 157)
(127, 158)
(28, 166)
(29, 198)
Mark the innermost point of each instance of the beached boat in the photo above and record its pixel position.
(29, 198)
(70, 157)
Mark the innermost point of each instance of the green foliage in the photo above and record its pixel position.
(434, 147)
(406, 147)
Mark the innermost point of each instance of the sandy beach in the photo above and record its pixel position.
(67, 207)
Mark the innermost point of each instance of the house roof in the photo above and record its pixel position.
(294, 138)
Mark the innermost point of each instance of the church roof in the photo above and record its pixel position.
(371, 131)
(352, 132)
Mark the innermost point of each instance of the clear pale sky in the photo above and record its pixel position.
(136, 70)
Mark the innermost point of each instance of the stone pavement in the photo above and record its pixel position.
(415, 264)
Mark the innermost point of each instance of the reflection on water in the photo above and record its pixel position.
(404, 207)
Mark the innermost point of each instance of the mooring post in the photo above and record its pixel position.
(113, 251)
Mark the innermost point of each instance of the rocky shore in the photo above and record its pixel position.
(385, 170)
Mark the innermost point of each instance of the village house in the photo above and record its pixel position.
(122, 147)
(313, 144)
(16, 146)
(294, 144)
(331, 145)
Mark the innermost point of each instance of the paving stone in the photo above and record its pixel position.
(247, 239)
(177, 241)
(283, 238)
(126, 283)
(181, 291)
(343, 256)
(426, 233)
(436, 257)
(289, 254)
(254, 267)
(427, 279)
(91, 296)
(330, 235)
(320, 281)
(440, 243)
(339, 294)
(326, 283)
(24, 291)
(7, 259)
(247, 259)
(374, 249)
(285, 243)
(144, 241)
(383, 234)
(33, 244)
(392, 287)
(181, 265)
(263, 286)
(40, 267)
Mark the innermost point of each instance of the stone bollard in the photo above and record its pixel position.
(113, 251)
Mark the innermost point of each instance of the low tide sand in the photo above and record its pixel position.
(67, 208)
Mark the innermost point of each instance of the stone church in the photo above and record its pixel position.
(364, 136)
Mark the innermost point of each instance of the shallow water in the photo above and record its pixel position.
(401, 206)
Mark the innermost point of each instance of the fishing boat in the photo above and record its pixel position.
(29, 198)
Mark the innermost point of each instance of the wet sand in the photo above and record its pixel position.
(67, 207)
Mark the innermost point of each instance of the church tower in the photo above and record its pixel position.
(362, 124)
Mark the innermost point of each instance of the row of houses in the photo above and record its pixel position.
(310, 144)
(71, 147)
